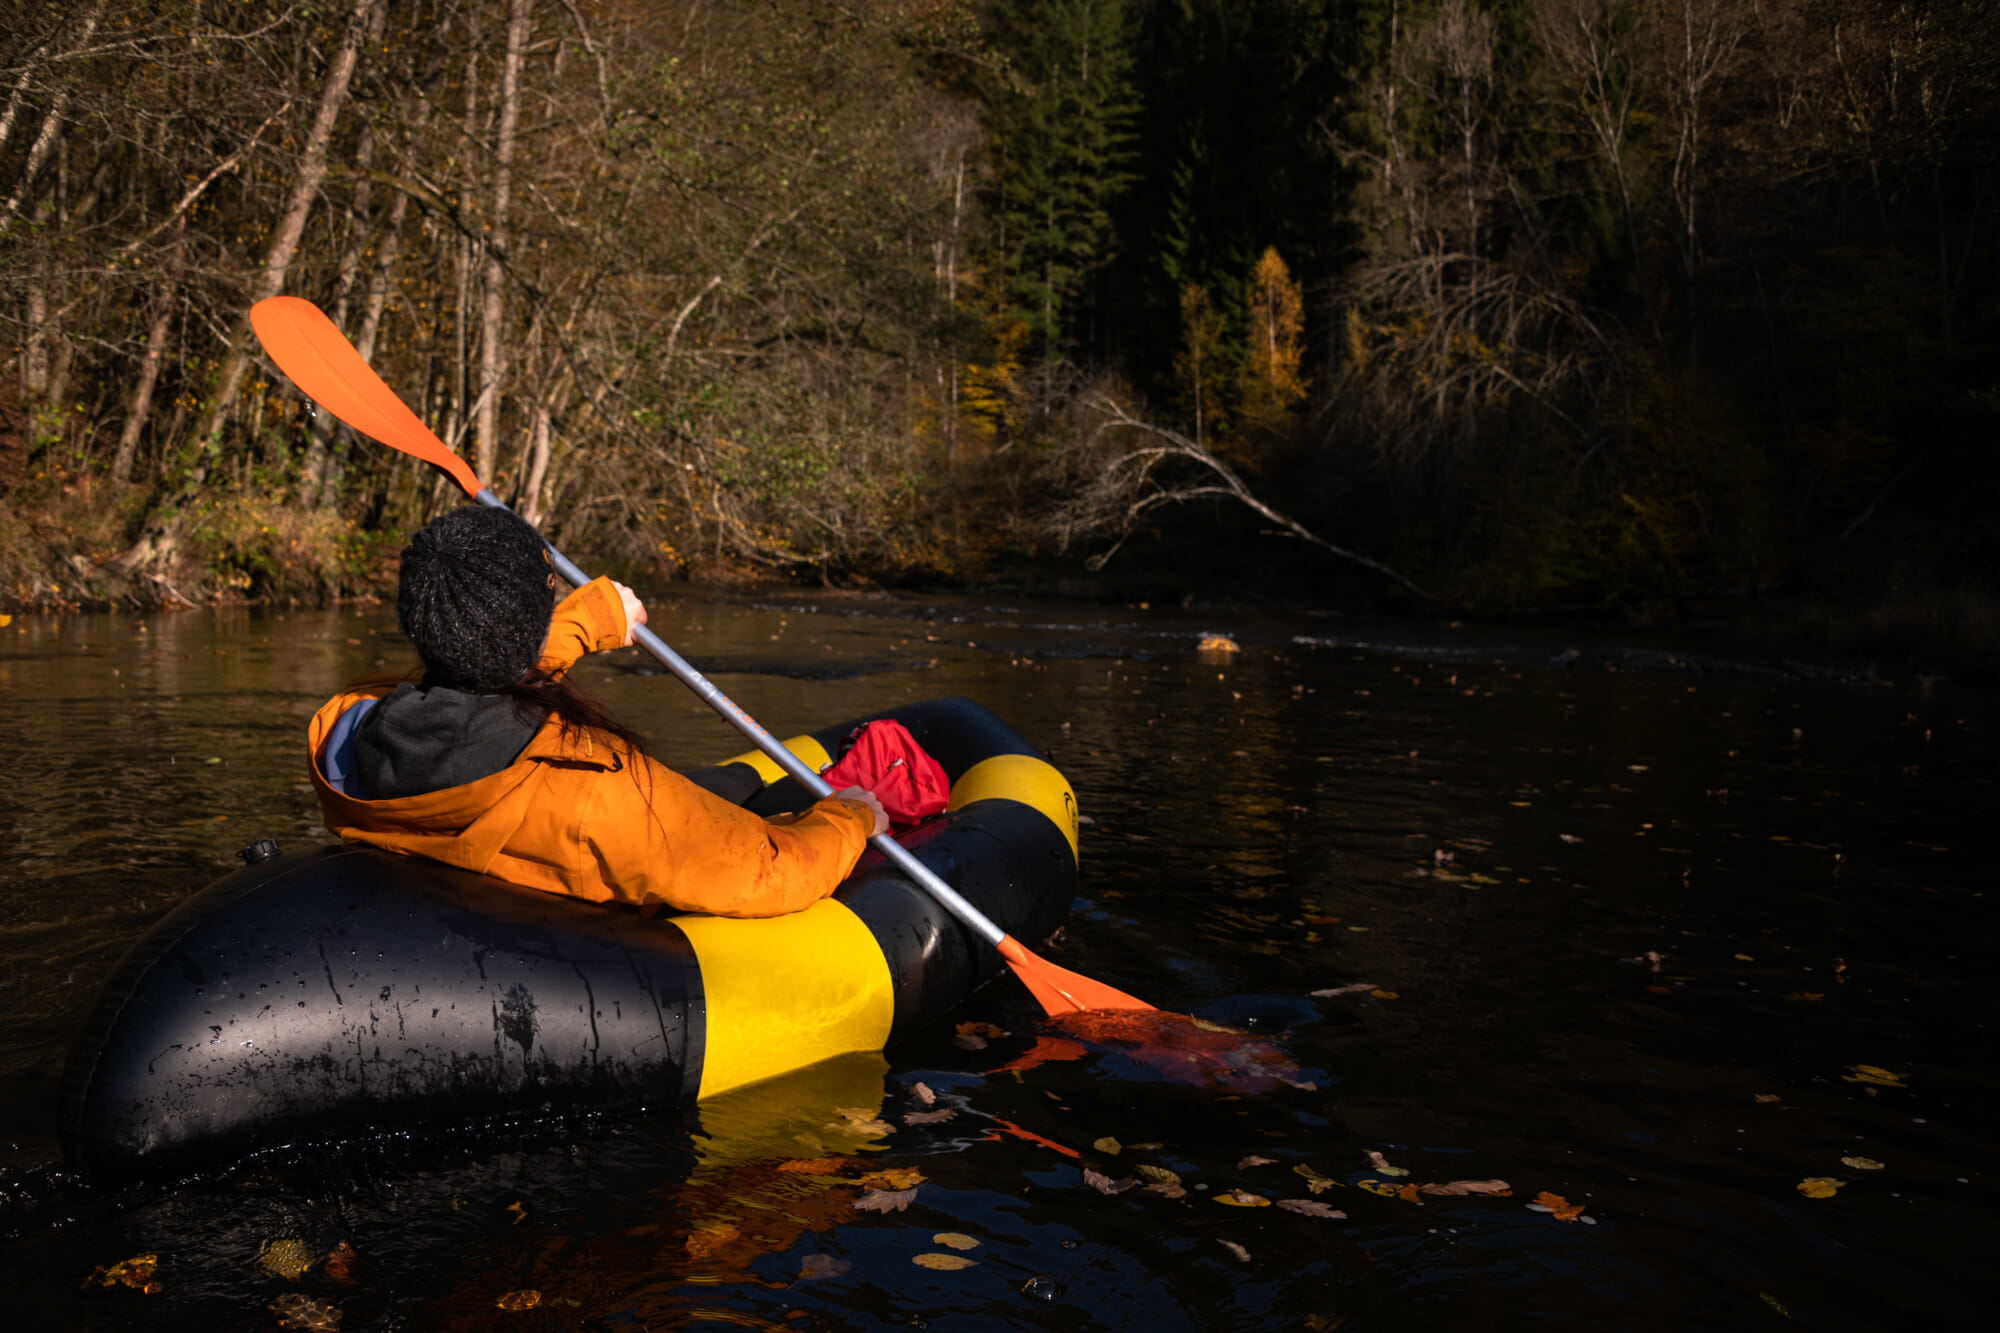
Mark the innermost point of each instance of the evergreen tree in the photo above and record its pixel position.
(1059, 111)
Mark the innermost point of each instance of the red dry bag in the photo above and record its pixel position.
(883, 757)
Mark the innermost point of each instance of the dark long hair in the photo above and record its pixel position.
(541, 694)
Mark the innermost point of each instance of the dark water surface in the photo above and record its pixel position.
(1627, 923)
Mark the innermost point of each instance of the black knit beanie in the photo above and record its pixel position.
(475, 598)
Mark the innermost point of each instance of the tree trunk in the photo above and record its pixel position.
(149, 367)
(162, 532)
(50, 134)
(492, 344)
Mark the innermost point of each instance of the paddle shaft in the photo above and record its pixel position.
(899, 856)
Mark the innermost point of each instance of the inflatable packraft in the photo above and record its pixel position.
(345, 992)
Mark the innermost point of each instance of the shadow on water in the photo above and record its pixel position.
(1651, 934)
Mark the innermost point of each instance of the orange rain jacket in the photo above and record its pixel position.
(587, 817)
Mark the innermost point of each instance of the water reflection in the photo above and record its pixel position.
(1620, 936)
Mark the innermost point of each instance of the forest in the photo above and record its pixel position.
(1666, 312)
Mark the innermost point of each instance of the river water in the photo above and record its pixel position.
(1664, 935)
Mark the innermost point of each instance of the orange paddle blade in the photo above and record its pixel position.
(317, 357)
(1060, 991)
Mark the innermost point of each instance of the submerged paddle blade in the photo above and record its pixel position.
(317, 357)
(1059, 991)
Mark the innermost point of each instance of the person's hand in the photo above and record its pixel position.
(862, 796)
(635, 611)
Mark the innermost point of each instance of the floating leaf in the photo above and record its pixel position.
(1385, 995)
(1774, 1303)
(287, 1258)
(816, 1266)
(1158, 1175)
(813, 1166)
(861, 1120)
(1251, 1161)
(295, 1310)
(892, 1178)
(884, 1201)
(1876, 1075)
(1144, 1147)
(1562, 1208)
(986, 1030)
(944, 1263)
(525, 1299)
(1242, 1255)
(519, 1210)
(1167, 1191)
(923, 1093)
(136, 1272)
(1459, 1187)
(1316, 1182)
(1109, 1146)
(968, 1041)
(1381, 1187)
(1382, 1165)
(339, 1263)
(1104, 1184)
(1242, 1199)
(955, 1240)
(1311, 1208)
(1354, 989)
(1768, 1097)
(943, 1113)
(1820, 1187)
(1862, 1163)
(710, 1238)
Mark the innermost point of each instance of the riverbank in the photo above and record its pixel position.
(60, 555)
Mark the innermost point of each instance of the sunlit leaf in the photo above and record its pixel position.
(815, 1266)
(1108, 1146)
(136, 1272)
(1104, 1184)
(287, 1258)
(1158, 1175)
(955, 1240)
(1820, 1187)
(525, 1299)
(1242, 1199)
(1382, 1165)
(1563, 1209)
(884, 1201)
(1862, 1163)
(944, 1263)
(893, 1178)
(296, 1310)
(1253, 1160)
(1311, 1208)
(1459, 1187)
(1874, 1074)
(1242, 1255)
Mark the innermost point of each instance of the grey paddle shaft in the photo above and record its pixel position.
(898, 855)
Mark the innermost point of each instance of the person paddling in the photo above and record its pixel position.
(490, 760)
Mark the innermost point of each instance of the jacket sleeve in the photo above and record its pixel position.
(662, 842)
(589, 620)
